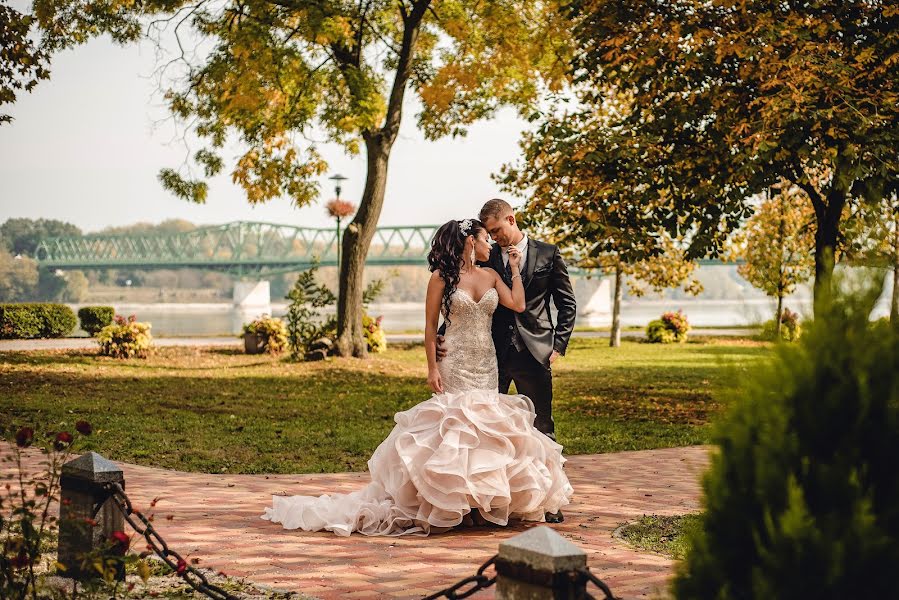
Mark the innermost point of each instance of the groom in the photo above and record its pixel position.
(527, 343)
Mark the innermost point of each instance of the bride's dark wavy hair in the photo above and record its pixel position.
(446, 255)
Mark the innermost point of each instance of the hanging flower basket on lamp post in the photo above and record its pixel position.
(340, 209)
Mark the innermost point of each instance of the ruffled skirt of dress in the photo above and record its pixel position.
(445, 456)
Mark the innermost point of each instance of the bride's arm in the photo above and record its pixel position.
(432, 319)
(512, 299)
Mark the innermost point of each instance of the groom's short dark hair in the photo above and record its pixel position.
(495, 209)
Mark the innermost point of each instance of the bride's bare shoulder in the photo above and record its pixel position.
(489, 273)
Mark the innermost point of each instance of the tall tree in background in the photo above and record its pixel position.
(18, 278)
(29, 39)
(21, 236)
(588, 191)
(777, 245)
(730, 97)
(282, 71)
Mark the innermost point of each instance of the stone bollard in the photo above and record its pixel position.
(87, 513)
(540, 564)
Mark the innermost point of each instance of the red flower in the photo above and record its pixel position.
(120, 539)
(182, 566)
(339, 209)
(24, 437)
(63, 439)
(84, 428)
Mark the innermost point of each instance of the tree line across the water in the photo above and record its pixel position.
(22, 280)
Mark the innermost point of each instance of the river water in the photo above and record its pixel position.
(224, 319)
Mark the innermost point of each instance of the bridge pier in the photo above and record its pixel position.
(252, 296)
(597, 310)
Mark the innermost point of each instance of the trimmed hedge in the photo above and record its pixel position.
(36, 320)
(95, 318)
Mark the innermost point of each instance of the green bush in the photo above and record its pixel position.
(802, 497)
(271, 331)
(95, 318)
(125, 338)
(306, 323)
(36, 320)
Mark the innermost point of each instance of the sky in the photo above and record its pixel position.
(86, 147)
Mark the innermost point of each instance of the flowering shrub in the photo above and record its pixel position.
(271, 331)
(125, 338)
(28, 526)
(672, 327)
(790, 328)
(374, 334)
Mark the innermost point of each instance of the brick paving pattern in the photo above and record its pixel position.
(216, 518)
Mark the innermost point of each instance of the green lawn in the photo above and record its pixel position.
(216, 410)
(662, 534)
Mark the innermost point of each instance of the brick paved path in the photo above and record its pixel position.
(216, 518)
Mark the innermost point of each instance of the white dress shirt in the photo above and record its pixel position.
(522, 246)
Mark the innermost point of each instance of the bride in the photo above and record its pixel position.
(468, 452)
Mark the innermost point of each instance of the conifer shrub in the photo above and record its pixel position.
(802, 496)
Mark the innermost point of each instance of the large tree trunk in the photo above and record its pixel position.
(828, 213)
(615, 337)
(356, 240)
(825, 247)
(358, 235)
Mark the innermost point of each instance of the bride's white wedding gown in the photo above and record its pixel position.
(469, 447)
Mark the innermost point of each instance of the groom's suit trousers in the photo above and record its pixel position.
(533, 379)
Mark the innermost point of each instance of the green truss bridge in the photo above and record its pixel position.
(242, 248)
(253, 251)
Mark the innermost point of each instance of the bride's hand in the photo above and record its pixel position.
(514, 258)
(435, 381)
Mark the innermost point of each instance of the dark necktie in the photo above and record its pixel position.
(508, 273)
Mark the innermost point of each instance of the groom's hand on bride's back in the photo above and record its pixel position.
(441, 349)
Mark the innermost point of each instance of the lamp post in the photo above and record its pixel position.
(339, 209)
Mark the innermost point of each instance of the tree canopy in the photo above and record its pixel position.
(588, 190)
(729, 97)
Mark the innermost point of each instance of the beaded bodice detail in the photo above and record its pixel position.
(470, 363)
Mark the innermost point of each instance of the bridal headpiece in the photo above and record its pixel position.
(464, 226)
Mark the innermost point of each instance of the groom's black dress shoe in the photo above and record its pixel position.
(554, 517)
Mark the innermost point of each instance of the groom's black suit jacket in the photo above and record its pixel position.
(544, 276)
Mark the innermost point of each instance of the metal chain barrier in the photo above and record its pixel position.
(598, 583)
(478, 582)
(144, 527)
